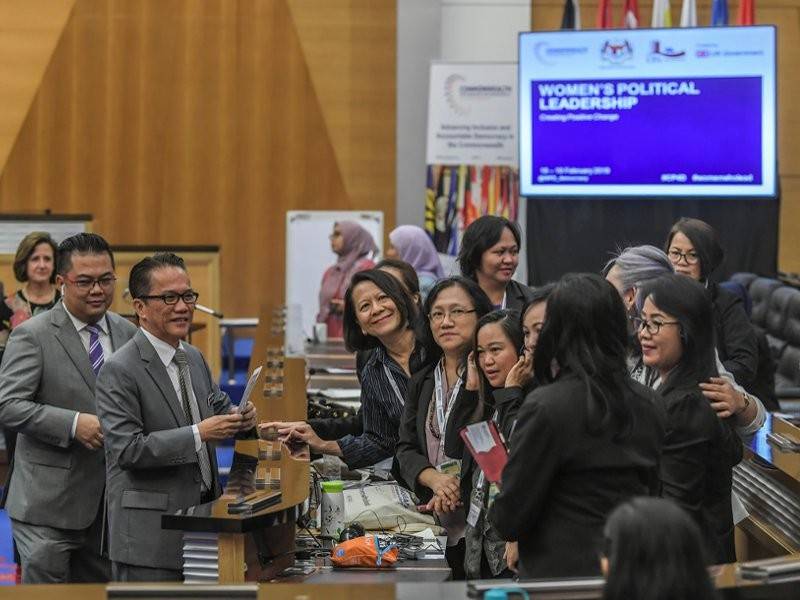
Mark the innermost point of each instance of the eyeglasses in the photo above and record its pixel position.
(189, 298)
(652, 327)
(455, 314)
(86, 284)
(690, 257)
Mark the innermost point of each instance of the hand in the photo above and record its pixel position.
(473, 379)
(724, 398)
(219, 427)
(521, 373)
(300, 432)
(248, 416)
(88, 431)
(440, 505)
(512, 555)
(445, 488)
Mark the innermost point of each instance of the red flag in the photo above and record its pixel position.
(630, 14)
(604, 15)
(747, 12)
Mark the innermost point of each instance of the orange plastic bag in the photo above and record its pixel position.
(365, 551)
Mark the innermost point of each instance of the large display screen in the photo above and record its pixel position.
(648, 112)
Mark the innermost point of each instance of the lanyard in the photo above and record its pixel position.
(441, 414)
(503, 303)
(393, 383)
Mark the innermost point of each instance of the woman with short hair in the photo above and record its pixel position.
(489, 255)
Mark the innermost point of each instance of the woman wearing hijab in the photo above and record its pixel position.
(414, 246)
(354, 247)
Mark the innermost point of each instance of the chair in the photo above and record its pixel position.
(760, 291)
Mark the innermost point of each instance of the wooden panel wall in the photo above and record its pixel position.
(546, 15)
(203, 121)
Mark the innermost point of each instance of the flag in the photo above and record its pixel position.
(719, 12)
(689, 13)
(572, 15)
(662, 14)
(630, 16)
(747, 12)
(604, 20)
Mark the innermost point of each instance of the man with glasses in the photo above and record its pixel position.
(162, 413)
(47, 384)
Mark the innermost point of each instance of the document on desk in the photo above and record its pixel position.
(251, 384)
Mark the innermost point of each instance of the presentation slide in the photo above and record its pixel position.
(650, 112)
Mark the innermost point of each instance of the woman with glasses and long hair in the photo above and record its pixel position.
(489, 255)
(653, 550)
(453, 308)
(499, 376)
(587, 438)
(694, 249)
(700, 450)
(379, 316)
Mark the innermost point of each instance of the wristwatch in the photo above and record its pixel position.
(746, 397)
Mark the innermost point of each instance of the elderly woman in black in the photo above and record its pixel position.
(453, 308)
(677, 339)
(586, 439)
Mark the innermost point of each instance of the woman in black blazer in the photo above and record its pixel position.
(586, 439)
(694, 250)
(677, 339)
(452, 309)
(489, 255)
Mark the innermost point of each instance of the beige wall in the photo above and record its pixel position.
(203, 121)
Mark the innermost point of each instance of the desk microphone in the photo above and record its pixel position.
(126, 295)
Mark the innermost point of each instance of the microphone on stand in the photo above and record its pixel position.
(126, 295)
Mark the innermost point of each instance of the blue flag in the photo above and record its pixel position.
(719, 13)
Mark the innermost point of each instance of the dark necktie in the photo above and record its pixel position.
(192, 415)
(95, 348)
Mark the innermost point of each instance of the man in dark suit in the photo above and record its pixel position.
(161, 413)
(47, 384)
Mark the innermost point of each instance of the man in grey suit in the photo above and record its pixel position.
(47, 384)
(161, 413)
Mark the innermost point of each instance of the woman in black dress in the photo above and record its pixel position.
(586, 439)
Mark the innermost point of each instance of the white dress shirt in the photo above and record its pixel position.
(166, 353)
(105, 342)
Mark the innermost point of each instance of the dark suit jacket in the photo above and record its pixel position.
(46, 377)
(736, 339)
(153, 467)
(699, 453)
(561, 482)
(412, 450)
(517, 295)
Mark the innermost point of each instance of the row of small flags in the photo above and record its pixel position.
(662, 14)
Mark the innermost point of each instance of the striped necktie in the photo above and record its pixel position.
(95, 348)
(192, 415)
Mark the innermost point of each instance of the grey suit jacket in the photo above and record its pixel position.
(45, 378)
(150, 451)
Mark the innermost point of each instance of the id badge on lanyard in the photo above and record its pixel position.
(441, 414)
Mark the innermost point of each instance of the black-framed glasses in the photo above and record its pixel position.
(189, 297)
(87, 283)
(456, 314)
(689, 257)
(652, 327)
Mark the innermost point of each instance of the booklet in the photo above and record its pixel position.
(485, 443)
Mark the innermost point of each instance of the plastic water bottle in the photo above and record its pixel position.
(332, 509)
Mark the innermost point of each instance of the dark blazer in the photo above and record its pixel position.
(153, 467)
(412, 448)
(699, 453)
(517, 295)
(467, 411)
(561, 482)
(736, 340)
